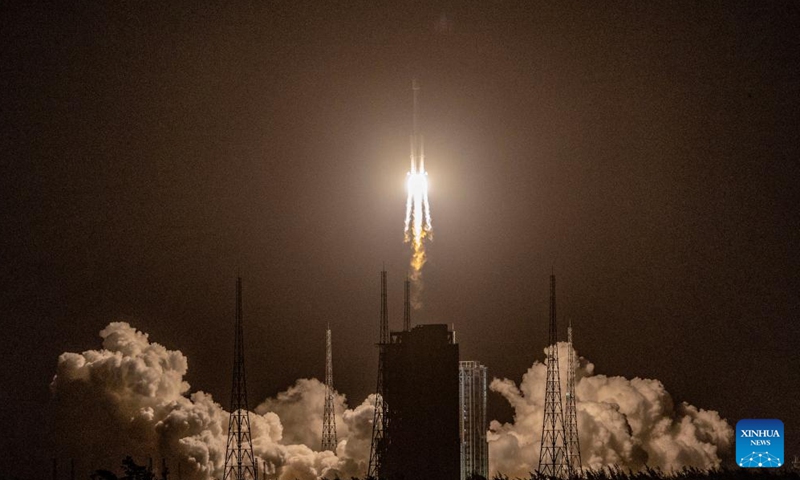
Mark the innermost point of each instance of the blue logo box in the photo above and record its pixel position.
(759, 443)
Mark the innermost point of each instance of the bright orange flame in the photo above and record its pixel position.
(418, 217)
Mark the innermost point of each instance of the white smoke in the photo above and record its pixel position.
(300, 409)
(629, 423)
(129, 398)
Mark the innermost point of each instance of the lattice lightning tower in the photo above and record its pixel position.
(380, 421)
(552, 455)
(571, 415)
(240, 463)
(329, 416)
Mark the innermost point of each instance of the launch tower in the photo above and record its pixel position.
(421, 388)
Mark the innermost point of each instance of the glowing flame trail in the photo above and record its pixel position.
(418, 216)
(418, 211)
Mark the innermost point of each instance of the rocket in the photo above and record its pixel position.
(418, 210)
(417, 145)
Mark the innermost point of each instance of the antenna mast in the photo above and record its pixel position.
(380, 422)
(571, 428)
(240, 463)
(329, 416)
(552, 456)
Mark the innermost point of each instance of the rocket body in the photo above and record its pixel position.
(418, 214)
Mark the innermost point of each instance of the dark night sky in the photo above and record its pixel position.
(648, 152)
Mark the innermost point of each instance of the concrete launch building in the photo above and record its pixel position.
(472, 399)
(422, 394)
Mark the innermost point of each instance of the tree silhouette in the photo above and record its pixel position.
(134, 471)
(103, 475)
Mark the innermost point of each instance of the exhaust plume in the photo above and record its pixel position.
(130, 398)
(628, 423)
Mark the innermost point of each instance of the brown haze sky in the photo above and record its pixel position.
(648, 152)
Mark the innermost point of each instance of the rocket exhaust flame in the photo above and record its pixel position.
(418, 217)
(418, 227)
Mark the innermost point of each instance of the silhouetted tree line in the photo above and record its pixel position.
(133, 471)
(619, 473)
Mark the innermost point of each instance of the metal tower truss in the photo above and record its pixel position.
(380, 421)
(571, 416)
(240, 462)
(552, 455)
(329, 416)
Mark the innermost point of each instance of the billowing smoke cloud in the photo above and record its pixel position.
(630, 423)
(300, 410)
(130, 398)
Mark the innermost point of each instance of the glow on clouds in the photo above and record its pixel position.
(130, 398)
(630, 423)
